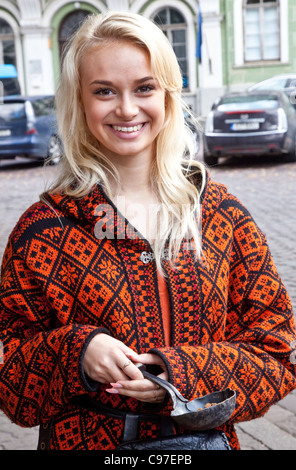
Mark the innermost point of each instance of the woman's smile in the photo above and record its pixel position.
(127, 131)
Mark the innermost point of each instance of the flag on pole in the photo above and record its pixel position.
(199, 37)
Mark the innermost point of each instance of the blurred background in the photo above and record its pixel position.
(222, 45)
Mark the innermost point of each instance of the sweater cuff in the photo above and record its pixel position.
(79, 382)
(176, 372)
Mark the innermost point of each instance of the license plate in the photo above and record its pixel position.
(5, 132)
(245, 126)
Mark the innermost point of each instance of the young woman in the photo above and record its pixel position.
(111, 266)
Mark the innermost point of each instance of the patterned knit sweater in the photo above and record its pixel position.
(232, 323)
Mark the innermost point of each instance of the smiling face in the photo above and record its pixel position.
(123, 102)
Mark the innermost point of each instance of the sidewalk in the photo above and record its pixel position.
(275, 431)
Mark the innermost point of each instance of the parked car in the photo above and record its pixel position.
(28, 128)
(283, 82)
(278, 82)
(250, 123)
(193, 126)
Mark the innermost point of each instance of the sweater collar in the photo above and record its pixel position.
(88, 209)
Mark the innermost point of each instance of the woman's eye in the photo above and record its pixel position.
(146, 88)
(103, 92)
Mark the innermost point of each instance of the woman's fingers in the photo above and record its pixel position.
(130, 370)
(105, 360)
(143, 390)
(120, 368)
(149, 359)
(146, 358)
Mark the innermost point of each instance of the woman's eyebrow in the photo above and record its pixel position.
(101, 82)
(145, 79)
(108, 83)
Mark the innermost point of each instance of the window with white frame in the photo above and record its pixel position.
(69, 26)
(174, 26)
(7, 46)
(262, 30)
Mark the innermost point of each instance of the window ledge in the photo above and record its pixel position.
(262, 63)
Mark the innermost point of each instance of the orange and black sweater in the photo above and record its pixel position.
(231, 320)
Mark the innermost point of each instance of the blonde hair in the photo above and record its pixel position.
(84, 164)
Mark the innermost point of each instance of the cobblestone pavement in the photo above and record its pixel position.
(267, 188)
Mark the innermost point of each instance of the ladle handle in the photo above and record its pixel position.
(174, 393)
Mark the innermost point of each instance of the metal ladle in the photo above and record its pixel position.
(192, 414)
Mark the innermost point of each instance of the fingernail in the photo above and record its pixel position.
(111, 390)
(116, 385)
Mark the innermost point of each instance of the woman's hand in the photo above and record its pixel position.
(106, 360)
(142, 389)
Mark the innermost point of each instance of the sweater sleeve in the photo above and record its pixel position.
(256, 357)
(40, 370)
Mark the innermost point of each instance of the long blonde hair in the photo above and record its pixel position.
(84, 165)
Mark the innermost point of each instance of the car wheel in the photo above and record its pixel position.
(54, 151)
(210, 160)
(291, 156)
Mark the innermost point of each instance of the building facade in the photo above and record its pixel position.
(243, 41)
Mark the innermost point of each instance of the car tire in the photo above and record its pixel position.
(210, 160)
(291, 156)
(54, 151)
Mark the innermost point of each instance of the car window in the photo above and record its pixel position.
(11, 86)
(289, 102)
(291, 83)
(272, 84)
(12, 112)
(43, 106)
(247, 103)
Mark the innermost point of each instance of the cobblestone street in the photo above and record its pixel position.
(267, 189)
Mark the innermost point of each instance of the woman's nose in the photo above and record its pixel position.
(127, 107)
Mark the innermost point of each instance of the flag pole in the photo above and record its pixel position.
(198, 52)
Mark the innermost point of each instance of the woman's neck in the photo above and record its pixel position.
(136, 199)
(135, 178)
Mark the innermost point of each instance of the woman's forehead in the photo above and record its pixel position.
(116, 58)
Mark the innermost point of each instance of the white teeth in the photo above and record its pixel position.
(128, 129)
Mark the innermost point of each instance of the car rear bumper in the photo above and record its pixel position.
(218, 144)
(27, 146)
